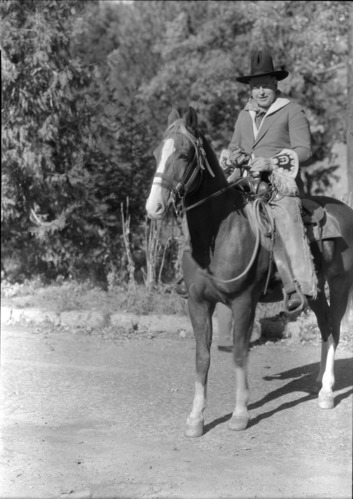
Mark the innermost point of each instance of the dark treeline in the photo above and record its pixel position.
(86, 91)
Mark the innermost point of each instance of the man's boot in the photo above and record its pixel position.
(294, 300)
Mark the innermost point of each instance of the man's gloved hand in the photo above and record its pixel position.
(225, 162)
(260, 164)
(238, 157)
(231, 159)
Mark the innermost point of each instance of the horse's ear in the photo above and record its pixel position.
(173, 116)
(191, 119)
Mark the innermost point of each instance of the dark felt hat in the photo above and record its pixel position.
(262, 65)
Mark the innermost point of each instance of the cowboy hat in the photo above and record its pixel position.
(262, 65)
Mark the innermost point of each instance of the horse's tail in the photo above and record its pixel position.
(349, 309)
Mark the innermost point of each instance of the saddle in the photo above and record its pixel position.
(318, 222)
(313, 212)
(319, 225)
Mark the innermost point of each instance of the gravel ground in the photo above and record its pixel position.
(93, 414)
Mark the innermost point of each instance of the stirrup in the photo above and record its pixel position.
(180, 288)
(303, 301)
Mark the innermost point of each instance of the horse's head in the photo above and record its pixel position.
(180, 157)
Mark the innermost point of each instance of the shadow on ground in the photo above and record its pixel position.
(302, 380)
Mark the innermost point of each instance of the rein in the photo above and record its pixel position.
(248, 267)
(214, 195)
(268, 230)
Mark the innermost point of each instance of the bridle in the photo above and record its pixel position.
(179, 190)
(186, 185)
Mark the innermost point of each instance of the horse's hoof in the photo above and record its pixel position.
(326, 401)
(238, 423)
(194, 430)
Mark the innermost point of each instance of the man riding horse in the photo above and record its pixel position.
(266, 126)
(228, 259)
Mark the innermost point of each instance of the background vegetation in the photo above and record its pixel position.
(86, 91)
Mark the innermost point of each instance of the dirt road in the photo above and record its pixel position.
(93, 416)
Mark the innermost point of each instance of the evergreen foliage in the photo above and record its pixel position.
(71, 150)
(87, 88)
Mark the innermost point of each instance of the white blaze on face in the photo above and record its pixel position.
(155, 205)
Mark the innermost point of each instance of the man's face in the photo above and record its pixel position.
(263, 90)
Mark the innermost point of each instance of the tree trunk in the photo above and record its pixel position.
(350, 109)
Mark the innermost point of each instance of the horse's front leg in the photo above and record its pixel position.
(244, 314)
(201, 319)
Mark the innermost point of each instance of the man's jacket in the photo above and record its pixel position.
(284, 126)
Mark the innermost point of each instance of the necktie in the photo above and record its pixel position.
(258, 118)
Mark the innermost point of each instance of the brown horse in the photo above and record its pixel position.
(228, 262)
